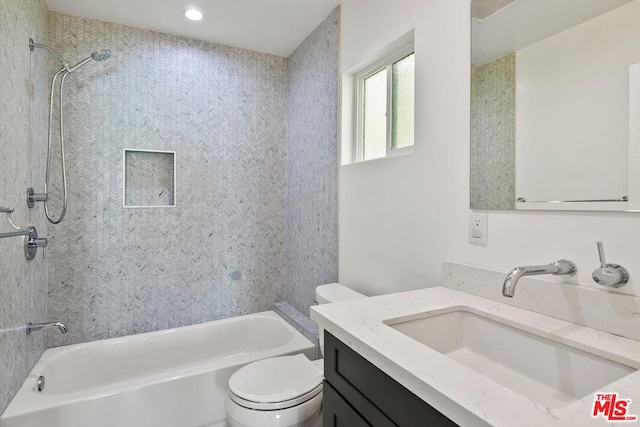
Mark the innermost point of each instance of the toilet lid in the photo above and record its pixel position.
(277, 379)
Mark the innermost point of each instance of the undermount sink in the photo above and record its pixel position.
(548, 372)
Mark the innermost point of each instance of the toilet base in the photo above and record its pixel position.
(307, 414)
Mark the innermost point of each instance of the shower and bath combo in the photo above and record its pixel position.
(65, 70)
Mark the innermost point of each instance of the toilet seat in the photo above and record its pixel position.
(276, 383)
(273, 406)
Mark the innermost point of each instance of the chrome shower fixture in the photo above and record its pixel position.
(98, 55)
(101, 55)
(33, 45)
(65, 70)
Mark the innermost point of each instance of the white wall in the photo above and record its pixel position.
(399, 218)
(393, 211)
(572, 110)
(634, 137)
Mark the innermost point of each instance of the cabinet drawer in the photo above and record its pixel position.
(336, 412)
(365, 386)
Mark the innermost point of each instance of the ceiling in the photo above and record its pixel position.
(270, 26)
(521, 23)
(482, 9)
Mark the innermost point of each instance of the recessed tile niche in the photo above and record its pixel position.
(149, 179)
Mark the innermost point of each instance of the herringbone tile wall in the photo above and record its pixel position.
(311, 239)
(493, 134)
(116, 271)
(23, 127)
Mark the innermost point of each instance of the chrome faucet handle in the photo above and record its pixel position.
(603, 262)
(32, 243)
(609, 275)
(42, 243)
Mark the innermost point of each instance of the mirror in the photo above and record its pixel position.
(555, 105)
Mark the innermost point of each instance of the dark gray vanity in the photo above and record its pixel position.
(356, 393)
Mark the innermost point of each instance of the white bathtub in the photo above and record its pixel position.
(172, 378)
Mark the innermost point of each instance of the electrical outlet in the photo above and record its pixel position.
(478, 227)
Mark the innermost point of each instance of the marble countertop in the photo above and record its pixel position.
(465, 396)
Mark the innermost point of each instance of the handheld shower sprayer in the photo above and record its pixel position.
(98, 55)
(65, 70)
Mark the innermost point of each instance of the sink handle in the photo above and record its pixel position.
(609, 275)
(603, 263)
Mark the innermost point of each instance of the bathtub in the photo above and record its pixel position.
(171, 378)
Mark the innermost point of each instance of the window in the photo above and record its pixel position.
(385, 106)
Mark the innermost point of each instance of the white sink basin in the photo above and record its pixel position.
(548, 372)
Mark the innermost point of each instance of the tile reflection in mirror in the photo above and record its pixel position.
(551, 92)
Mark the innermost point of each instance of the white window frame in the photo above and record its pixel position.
(386, 62)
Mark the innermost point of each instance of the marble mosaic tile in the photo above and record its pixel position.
(23, 118)
(220, 251)
(312, 129)
(493, 134)
(302, 323)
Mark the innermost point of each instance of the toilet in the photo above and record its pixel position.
(284, 391)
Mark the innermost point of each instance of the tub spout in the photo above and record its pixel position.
(560, 268)
(33, 327)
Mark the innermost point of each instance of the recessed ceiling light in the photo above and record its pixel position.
(193, 14)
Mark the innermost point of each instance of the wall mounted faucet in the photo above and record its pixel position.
(609, 275)
(31, 240)
(34, 327)
(559, 268)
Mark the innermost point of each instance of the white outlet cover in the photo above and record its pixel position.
(478, 228)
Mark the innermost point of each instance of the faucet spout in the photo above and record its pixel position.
(559, 268)
(33, 327)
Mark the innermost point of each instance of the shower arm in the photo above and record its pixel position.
(65, 64)
(33, 45)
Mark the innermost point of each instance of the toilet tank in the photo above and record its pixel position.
(333, 292)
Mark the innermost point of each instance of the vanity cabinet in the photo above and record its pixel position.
(356, 393)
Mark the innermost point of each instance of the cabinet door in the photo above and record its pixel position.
(336, 412)
(376, 396)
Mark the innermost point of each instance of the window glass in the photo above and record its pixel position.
(403, 81)
(374, 127)
(385, 107)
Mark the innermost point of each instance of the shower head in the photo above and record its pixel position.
(98, 55)
(101, 55)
